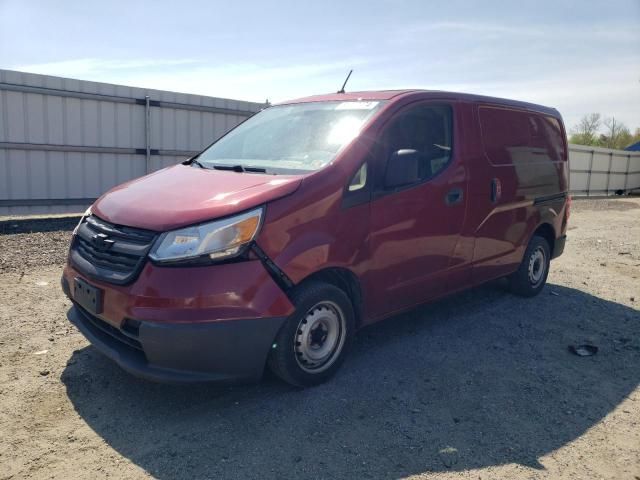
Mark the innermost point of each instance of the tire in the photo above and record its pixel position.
(531, 276)
(311, 345)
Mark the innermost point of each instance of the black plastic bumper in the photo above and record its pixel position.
(224, 351)
(558, 247)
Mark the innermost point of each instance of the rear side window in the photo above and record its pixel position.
(426, 129)
(547, 136)
(513, 136)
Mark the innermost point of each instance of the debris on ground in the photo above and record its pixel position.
(583, 350)
(449, 456)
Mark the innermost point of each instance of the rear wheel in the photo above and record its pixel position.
(532, 273)
(312, 344)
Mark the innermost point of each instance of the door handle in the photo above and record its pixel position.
(453, 196)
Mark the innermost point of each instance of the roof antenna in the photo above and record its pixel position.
(345, 82)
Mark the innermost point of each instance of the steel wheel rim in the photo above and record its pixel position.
(320, 337)
(537, 266)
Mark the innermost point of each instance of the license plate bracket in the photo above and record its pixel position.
(88, 296)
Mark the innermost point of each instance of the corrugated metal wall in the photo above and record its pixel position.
(603, 171)
(64, 142)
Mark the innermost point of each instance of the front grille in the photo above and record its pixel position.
(113, 253)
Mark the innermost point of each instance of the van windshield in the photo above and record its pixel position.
(292, 139)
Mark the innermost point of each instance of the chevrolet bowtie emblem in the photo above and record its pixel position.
(102, 241)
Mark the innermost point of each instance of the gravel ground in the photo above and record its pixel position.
(480, 385)
(45, 240)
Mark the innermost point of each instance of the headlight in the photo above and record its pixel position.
(84, 215)
(213, 240)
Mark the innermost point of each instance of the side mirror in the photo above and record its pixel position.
(402, 168)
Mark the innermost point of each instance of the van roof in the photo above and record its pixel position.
(423, 94)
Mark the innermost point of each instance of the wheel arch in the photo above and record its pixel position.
(546, 231)
(345, 280)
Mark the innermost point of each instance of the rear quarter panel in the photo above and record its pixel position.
(525, 151)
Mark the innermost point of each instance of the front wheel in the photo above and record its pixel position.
(532, 273)
(312, 344)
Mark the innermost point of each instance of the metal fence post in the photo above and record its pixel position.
(609, 172)
(147, 133)
(593, 152)
(626, 172)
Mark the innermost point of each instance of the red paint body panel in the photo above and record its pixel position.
(340, 97)
(502, 228)
(192, 295)
(401, 249)
(399, 262)
(181, 195)
(400, 265)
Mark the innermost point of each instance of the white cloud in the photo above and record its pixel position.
(246, 81)
(92, 66)
(615, 33)
(576, 70)
(612, 90)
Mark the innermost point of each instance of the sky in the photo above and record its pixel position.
(577, 56)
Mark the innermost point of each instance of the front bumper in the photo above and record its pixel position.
(224, 351)
(186, 324)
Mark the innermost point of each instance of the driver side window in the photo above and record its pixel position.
(427, 130)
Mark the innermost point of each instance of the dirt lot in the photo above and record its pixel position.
(481, 385)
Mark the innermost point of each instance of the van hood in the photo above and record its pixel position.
(182, 195)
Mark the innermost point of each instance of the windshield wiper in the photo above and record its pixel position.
(240, 168)
(196, 162)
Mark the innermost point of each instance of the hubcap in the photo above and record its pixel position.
(537, 266)
(320, 337)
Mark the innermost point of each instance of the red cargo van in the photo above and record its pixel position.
(312, 219)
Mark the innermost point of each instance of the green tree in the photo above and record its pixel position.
(616, 135)
(635, 137)
(586, 131)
